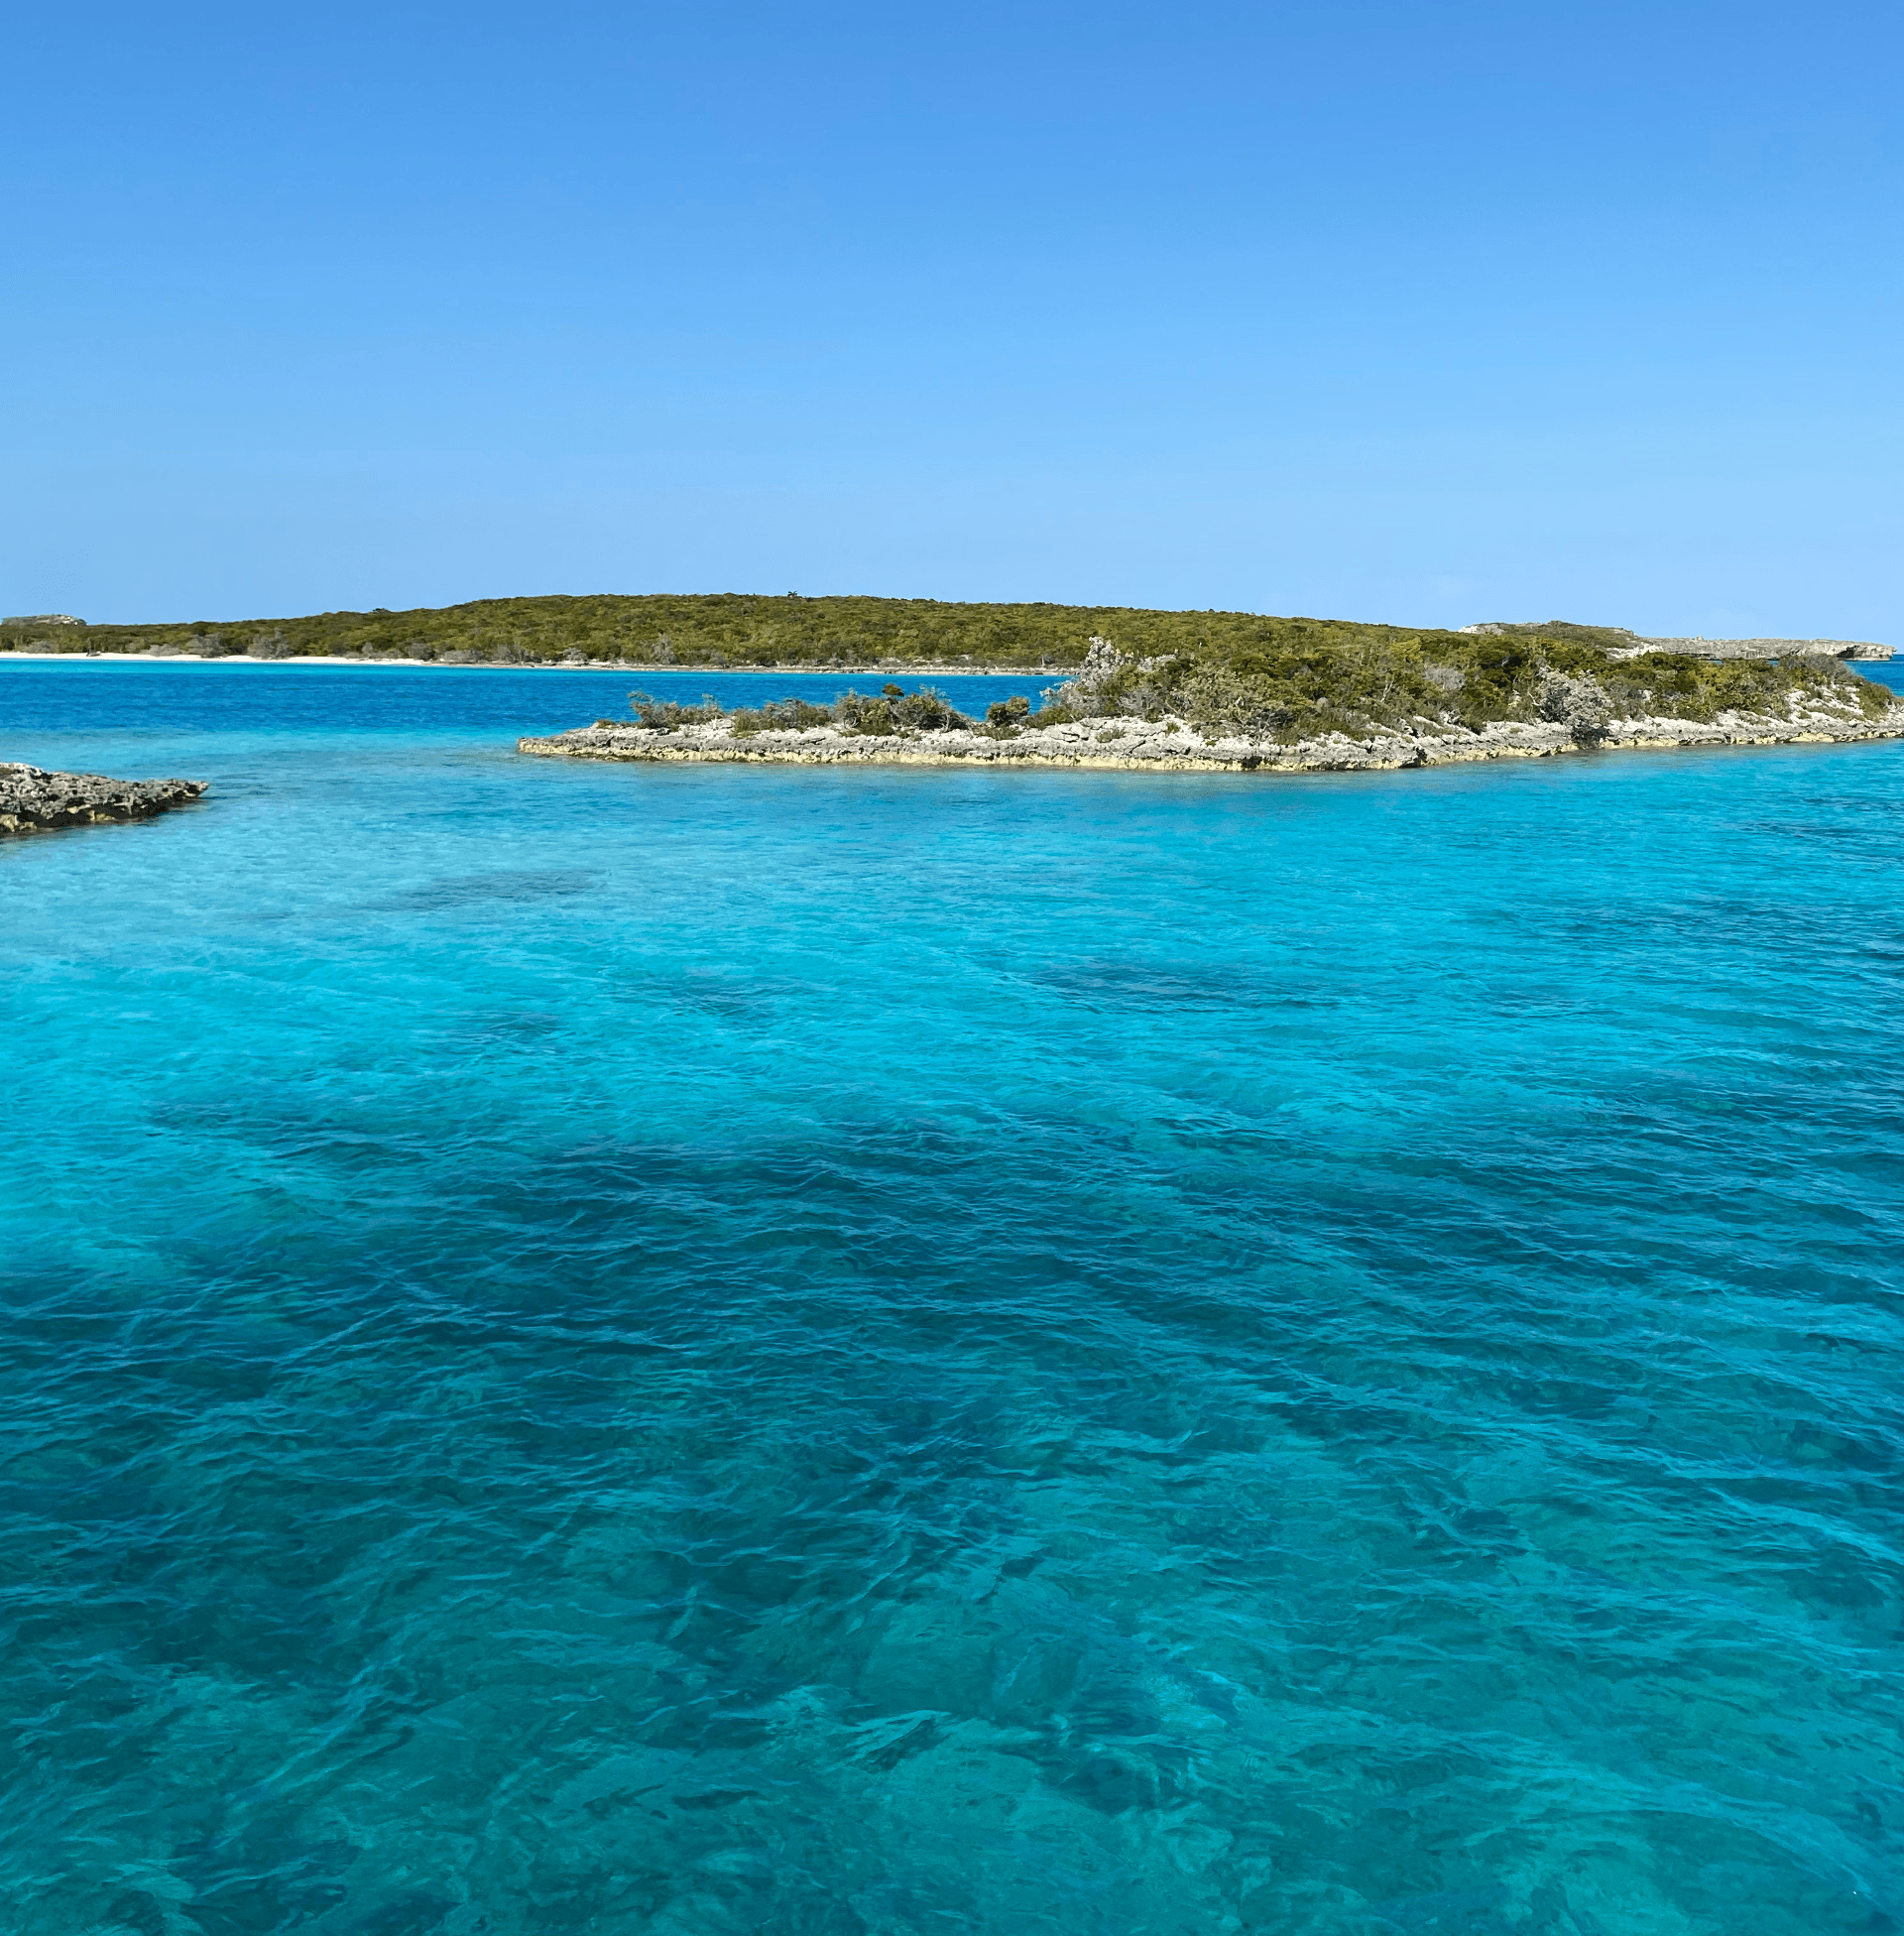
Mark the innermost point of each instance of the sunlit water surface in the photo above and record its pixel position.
(792, 1351)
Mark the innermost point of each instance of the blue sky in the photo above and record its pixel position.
(1407, 312)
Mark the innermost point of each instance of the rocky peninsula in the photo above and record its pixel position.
(1355, 708)
(34, 800)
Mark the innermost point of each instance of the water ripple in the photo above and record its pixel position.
(1327, 1360)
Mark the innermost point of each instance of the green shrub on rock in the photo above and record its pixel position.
(667, 716)
(781, 716)
(924, 711)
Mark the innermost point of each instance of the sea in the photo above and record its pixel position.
(796, 1352)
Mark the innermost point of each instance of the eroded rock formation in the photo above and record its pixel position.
(32, 800)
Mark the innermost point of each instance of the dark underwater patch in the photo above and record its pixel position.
(1127, 985)
(471, 889)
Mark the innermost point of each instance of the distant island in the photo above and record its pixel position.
(739, 632)
(1118, 687)
(1334, 698)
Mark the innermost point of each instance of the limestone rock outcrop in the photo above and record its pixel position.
(1575, 717)
(34, 800)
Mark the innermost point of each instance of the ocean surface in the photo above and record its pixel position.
(817, 1353)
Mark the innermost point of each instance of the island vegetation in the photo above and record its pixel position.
(708, 631)
(1222, 673)
(1301, 688)
(1446, 682)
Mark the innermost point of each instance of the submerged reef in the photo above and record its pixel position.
(34, 800)
(1335, 707)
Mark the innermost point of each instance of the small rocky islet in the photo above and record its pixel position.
(1504, 693)
(36, 801)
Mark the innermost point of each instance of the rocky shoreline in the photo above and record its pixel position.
(1170, 745)
(34, 800)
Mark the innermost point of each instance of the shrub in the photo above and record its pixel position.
(1874, 700)
(897, 711)
(667, 716)
(783, 716)
(1228, 702)
(862, 713)
(1055, 707)
(927, 710)
(1579, 704)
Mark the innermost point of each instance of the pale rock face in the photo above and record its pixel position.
(1575, 718)
(1698, 646)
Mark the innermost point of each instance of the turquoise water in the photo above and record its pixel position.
(612, 1350)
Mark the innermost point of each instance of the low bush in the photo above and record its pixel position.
(667, 716)
(1226, 703)
(898, 711)
(882, 713)
(781, 716)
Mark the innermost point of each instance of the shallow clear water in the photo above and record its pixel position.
(606, 1349)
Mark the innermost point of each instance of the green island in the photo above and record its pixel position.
(714, 632)
(1115, 686)
(1333, 698)
(731, 631)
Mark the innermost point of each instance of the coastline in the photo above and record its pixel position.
(1131, 745)
(800, 670)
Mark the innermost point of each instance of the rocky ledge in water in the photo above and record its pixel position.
(32, 800)
(1174, 744)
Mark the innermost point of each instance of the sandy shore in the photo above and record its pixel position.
(1051, 675)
